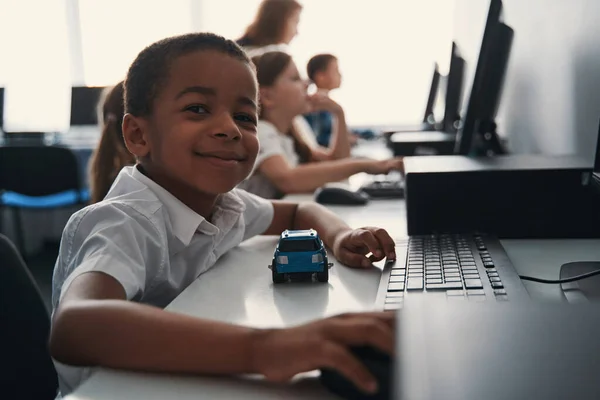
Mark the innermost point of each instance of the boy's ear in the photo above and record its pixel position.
(266, 97)
(135, 135)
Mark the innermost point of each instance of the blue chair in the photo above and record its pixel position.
(38, 177)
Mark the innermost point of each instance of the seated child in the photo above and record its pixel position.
(191, 119)
(111, 155)
(323, 70)
(286, 163)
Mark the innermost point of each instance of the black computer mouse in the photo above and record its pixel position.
(341, 195)
(380, 366)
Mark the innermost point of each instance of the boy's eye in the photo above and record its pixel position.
(197, 108)
(246, 118)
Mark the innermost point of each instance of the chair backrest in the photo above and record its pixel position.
(38, 170)
(24, 331)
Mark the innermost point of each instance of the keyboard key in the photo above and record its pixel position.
(489, 264)
(396, 272)
(476, 292)
(415, 275)
(414, 283)
(495, 279)
(397, 278)
(391, 306)
(444, 286)
(390, 300)
(432, 281)
(493, 274)
(497, 285)
(468, 263)
(452, 274)
(473, 284)
(451, 270)
(453, 279)
(471, 274)
(499, 292)
(394, 294)
(396, 287)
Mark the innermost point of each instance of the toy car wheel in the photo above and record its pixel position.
(277, 277)
(323, 276)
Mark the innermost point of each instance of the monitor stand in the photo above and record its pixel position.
(584, 290)
(488, 142)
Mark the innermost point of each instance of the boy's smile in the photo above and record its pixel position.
(200, 140)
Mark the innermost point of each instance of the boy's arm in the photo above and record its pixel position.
(95, 326)
(349, 246)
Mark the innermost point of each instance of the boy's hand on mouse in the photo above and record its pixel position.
(385, 166)
(279, 354)
(351, 247)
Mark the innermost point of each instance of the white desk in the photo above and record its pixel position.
(239, 290)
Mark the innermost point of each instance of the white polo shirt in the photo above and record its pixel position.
(151, 243)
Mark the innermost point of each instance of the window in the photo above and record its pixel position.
(35, 66)
(298, 245)
(113, 32)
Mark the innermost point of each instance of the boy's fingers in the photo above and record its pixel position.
(365, 331)
(368, 239)
(386, 242)
(336, 357)
(354, 259)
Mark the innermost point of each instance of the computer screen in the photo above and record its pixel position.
(428, 117)
(1, 108)
(84, 105)
(440, 100)
(597, 160)
(465, 134)
(491, 92)
(454, 89)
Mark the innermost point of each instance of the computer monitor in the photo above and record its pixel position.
(1, 108)
(428, 117)
(486, 141)
(596, 173)
(465, 134)
(84, 105)
(454, 89)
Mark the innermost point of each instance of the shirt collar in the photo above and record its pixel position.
(185, 221)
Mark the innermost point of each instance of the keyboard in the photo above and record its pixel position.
(385, 186)
(471, 267)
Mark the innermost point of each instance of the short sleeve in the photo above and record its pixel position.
(115, 240)
(270, 142)
(258, 214)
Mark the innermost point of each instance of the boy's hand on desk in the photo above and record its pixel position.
(279, 354)
(352, 246)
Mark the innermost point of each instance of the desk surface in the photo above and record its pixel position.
(239, 290)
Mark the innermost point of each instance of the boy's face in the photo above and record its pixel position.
(330, 78)
(201, 135)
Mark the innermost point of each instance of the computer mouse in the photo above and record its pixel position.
(379, 365)
(341, 195)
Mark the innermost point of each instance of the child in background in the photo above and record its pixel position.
(191, 120)
(283, 96)
(323, 70)
(111, 155)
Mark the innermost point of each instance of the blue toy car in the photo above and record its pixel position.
(300, 252)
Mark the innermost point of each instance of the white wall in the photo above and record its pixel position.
(551, 99)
